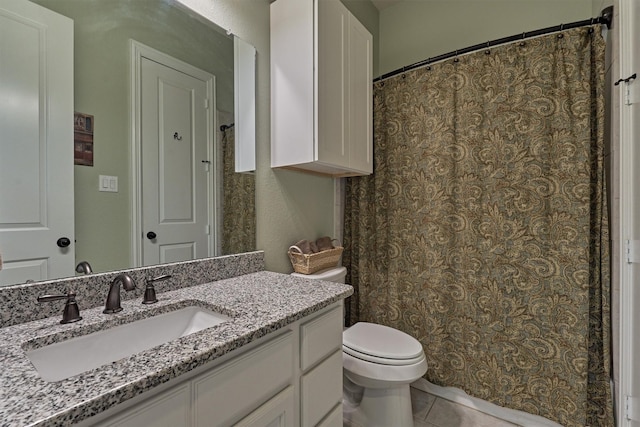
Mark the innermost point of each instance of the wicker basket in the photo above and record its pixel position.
(310, 263)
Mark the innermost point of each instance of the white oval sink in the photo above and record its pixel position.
(65, 359)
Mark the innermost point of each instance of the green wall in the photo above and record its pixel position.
(102, 30)
(415, 30)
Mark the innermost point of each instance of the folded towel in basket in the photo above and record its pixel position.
(324, 243)
(305, 247)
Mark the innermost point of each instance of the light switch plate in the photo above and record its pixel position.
(108, 183)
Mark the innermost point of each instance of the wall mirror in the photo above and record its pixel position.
(105, 225)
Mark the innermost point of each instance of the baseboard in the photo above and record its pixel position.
(457, 395)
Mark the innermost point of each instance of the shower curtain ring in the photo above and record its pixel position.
(456, 57)
(429, 64)
(522, 43)
(561, 29)
(488, 51)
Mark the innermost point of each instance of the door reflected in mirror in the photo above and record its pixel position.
(105, 221)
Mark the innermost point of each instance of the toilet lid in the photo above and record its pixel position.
(382, 360)
(381, 341)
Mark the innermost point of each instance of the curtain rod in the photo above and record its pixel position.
(605, 17)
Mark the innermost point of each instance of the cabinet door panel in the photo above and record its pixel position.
(360, 97)
(321, 389)
(170, 409)
(332, 145)
(277, 412)
(242, 384)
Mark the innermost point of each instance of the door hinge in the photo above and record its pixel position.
(632, 251)
(630, 90)
(207, 229)
(632, 408)
(206, 103)
(630, 93)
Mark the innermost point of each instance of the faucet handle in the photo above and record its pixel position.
(150, 290)
(71, 312)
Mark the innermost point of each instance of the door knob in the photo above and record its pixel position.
(63, 242)
(151, 235)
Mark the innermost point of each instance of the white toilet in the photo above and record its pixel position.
(379, 363)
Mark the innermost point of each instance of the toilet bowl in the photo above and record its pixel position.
(384, 362)
(379, 364)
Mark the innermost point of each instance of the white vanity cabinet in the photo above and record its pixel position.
(321, 89)
(292, 377)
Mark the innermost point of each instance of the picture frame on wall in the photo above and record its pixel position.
(83, 139)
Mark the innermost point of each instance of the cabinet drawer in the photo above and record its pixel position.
(321, 389)
(320, 337)
(242, 384)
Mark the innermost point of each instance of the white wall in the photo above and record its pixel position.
(415, 30)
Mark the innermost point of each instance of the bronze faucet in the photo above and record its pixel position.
(113, 299)
(84, 267)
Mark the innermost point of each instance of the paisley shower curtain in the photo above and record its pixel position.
(239, 195)
(483, 231)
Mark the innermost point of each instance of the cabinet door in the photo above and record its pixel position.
(170, 409)
(277, 412)
(292, 62)
(244, 383)
(321, 390)
(360, 97)
(334, 419)
(332, 145)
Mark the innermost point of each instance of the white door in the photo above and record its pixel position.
(36, 143)
(175, 165)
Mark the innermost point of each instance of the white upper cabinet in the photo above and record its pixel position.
(321, 89)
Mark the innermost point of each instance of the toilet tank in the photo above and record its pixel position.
(335, 274)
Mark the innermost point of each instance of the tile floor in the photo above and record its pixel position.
(433, 411)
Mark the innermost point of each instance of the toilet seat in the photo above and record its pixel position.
(382, 360)
(381, 344)
(378, 375)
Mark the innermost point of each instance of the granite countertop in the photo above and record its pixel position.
(258, 303)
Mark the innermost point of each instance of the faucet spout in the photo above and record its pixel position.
(112, 304)
(84, 267)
